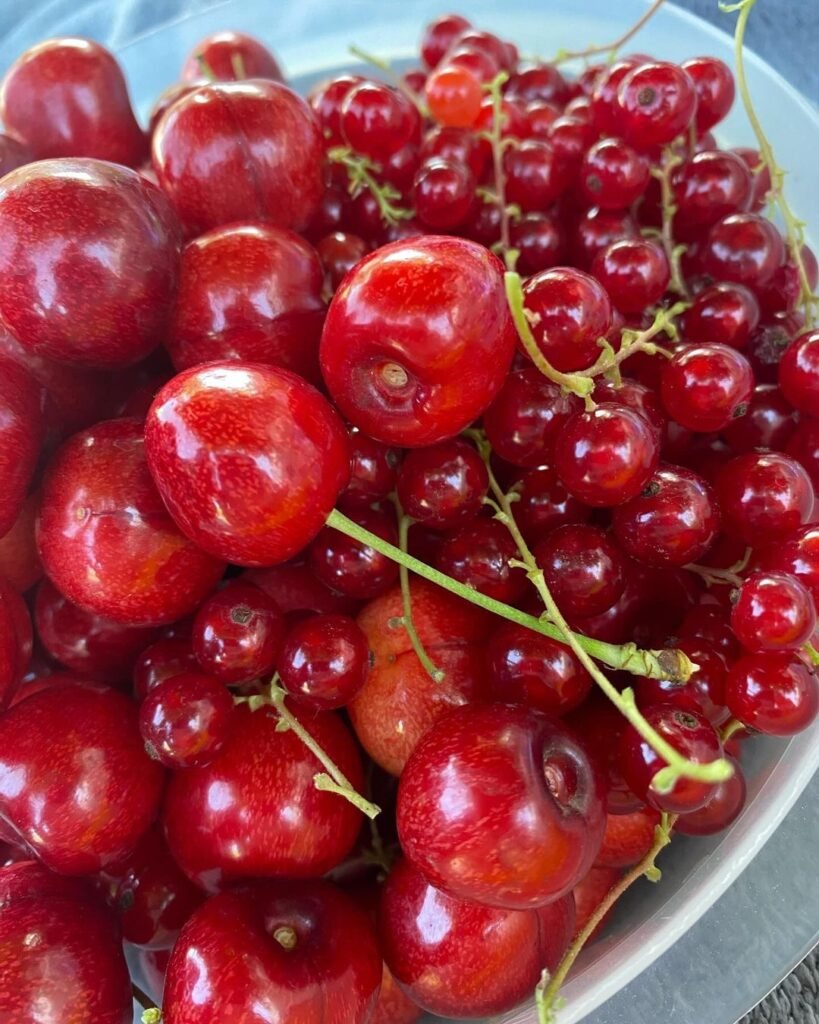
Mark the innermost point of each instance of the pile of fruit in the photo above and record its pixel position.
(406, 519)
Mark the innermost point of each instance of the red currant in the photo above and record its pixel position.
(714, 84)
(744, 247)
(775, 694)
(583, 568)
(613, 175)
(324, 661)
(570, 312)
(444, 485)
(705, 387)
(655, 103)
(799, 373)
(764, 496)
(773, 612)
(185, 720)
(634, 272)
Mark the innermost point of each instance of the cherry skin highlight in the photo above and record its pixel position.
(324, 661)
(185, 721)
(764, 495)
(773, 612)
(774, 693)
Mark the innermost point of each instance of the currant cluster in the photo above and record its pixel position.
(406, 516)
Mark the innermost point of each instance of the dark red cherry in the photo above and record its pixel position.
(373, 470)
(106, 539)
(583, 569)
(351, 567)
(613, 176)
(15, 641)
(479, 555)
(221, 825)
(13, 154)
(275, 950)
(532, 669)
(655, 103)
(485, 781)
(799, 372)
(68, 97)
(186, 720)
(443, 485)
(228, 56)
(249, 459)
(773, 612)
(439, 35)
(61, 953)
(744, 247)
(21, 435)
(324, 661)
(162, 660)
(764, 495)
(726, 314)
(570, 313)
(339, 252)
(607, 456)
(690, 733)
(430, 940)
(123, 251)
(544, 503)
(19, 558)
(84, 790)
(714, 85)
(774, 693)
(418, 340)
(377, 120)
(634, 272)
(673, 521)
(326, 99)
(705, 387)
(237, 633)
(803, 446)
(540, 241)
(251, 292)
(723, 807)
(262, 162)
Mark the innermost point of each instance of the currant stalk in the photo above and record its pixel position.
(391, 75)
(361, 174)
(404, 523)
(610, 49)
(669, 160)
(729, 577)
(498, 144)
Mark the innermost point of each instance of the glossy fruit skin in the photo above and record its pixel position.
(443, 193)
(723, 313)
(230, 56)
(771, 422)
(67, 97)
(238, 446)
(377, 120)
(634, 272)
(773, 612)
(444, 485)
(802, 445)
(439, 35)
(463, 960)
(297, 591)
(545, 503)
(798, 370)
(531, 669)
(687, 731)
(186, 720)
(628, 838)
(91, 646)
(373, 470)
(541, 242)
(339, 252)
(453, 94)
(705, 387)
(655, 102)
(674, 521)
(600, 727)
(85, 791)
(547, 805)
(574, 312)
(714, 85)
(319, 978)
(104, 300)
(13, 154)
(60, 951)
(583, 568)
(351, 567)
(479, 554)
(705, 690)
(21, 435)
(775, 694)
(153, 898)
(418, 340)
(606, 457)
(19, 559)
(743, 247)
(286, 828)
(613, 175)
(100, 510)
(250, 292)
(263, 160)
(711, 185)
(324, 661)
(399, 701)
(15, 641)
(162, 660)
(764, 495)
(722, 809)
(237, 633)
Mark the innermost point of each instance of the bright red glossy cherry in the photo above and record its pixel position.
(221, 825)
(535, 175)
(186, 720)
(453, 94)
(249, 292)
(799, 372)
(607, 456)
(613, 176)
(726, 314)
(744, 247)
(775, 694)
(690, 733)
(532, 839)
(479, 555)
(709, 186)
(431, 939)
(532, 669)
(75, 782)
(262, 162)
(60, 951)
(351, 567)
(723, 807)
(674, 520)
(418, 340)
(439, 35)
(773, 612)
(106, 539)
(443, 193)
(544, 503)
(376, 120)
(655, 103)
(705, 387)
(399, 700)
(584, 569)
(68, 97)
(237, 633)
(443, 485)
(124, 252)
(275, 950)
(19, 558)
(764, 495)
(714, 85)
(249, 459)
(324, 661)
(634, 272)
(228, 56)
(571, 312)
(13, 154)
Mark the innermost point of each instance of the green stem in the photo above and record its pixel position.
(361, 175)
(546, 992)
(153, 1015)
(437, 676)
(670, 159)
(730, 729)
(664, 664)
(812, 653)
(610, 49)
(391, 75)
(495, 136)
(637, 341)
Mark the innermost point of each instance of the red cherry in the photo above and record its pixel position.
(68, 97)
(275, 950)
(443, 485)
(485, 781)
(479, 555)
(162, 660)
(85, 791)
(723, 808)
(600, 726)
(431, 939)
(799, 371)
(249, 459)
(589, 893)
(584, 569)
(262, 163)
(744, 247)
(105, 538)
(764, 495)
(775, 694)
(324, 661)
(714, 85)
(655, 104)
(19, 559)
(773, 612)
(237, 633)
(634, 272)
(418, 340)
(124, 252)
(529, 668)
(705, 387)
(571, 312)
(628, 838)
(228, 56)
(21, 435)
(221, 825)
(13, 154)
(60, 951)
(186, 720)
